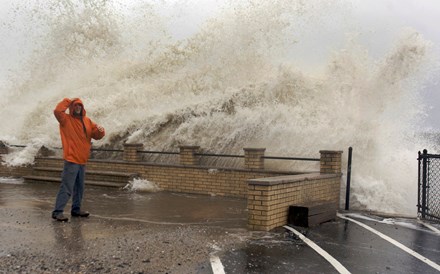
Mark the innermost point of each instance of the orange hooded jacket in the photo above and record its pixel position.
(76, 131)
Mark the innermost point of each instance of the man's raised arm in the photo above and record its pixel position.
(60, 110)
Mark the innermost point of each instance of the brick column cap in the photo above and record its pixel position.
(190, 147)
(254, 149)
(331, 151)
(133, 145)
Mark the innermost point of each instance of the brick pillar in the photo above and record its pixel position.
(253, 158)
(330, 161)
(188, 157)
(131, 152)
(3, 148)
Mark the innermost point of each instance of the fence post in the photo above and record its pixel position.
(253, 158)
(131, 152)
(424, 177)
(188, 155)
(347, 190)
(330, 161)
(419, 160)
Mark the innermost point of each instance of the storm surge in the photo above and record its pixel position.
(234, 82)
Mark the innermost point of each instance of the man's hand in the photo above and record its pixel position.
(101, 129)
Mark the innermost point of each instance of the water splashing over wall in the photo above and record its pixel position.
(231, 84)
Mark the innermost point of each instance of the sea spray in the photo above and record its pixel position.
(141, 185)
(231, 84)
(22, 156)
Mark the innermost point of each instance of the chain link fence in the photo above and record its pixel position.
(429, 186)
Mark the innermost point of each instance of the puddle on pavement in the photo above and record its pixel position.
(118, 204)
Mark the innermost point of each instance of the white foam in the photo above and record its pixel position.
(391, 221)
(142, 186)
(11, 181)
(21, 156)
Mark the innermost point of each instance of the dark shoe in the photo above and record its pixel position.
(59, 217)
(80, 214)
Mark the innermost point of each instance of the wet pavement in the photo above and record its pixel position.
(139, 232)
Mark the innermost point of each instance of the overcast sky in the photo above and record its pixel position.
(377, 21)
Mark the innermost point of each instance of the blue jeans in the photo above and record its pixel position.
(72, 183)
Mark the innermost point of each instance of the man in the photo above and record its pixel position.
(76, 131)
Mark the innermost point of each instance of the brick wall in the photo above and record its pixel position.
(269, 198)
(188, 155)
(269, 193)
(180, 178)
(19, 171)
(253, 158)
(131, 152)
(330, 161)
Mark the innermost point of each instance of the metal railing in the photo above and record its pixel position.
(104, 150)
(219, 155)
(214, 159)
(17, 146)
(291, 158)
(207, 154)
(158, 152)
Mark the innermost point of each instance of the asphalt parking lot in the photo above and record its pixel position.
(138, 232)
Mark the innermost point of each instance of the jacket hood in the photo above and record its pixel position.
(74, 102)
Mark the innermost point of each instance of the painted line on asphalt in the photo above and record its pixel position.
(394, 242)
(337, 265)
(216, 264)
(430, 227)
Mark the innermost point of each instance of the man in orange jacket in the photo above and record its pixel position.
(77, 131)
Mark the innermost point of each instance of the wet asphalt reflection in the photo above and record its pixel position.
(135, 232)
(357, 249)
